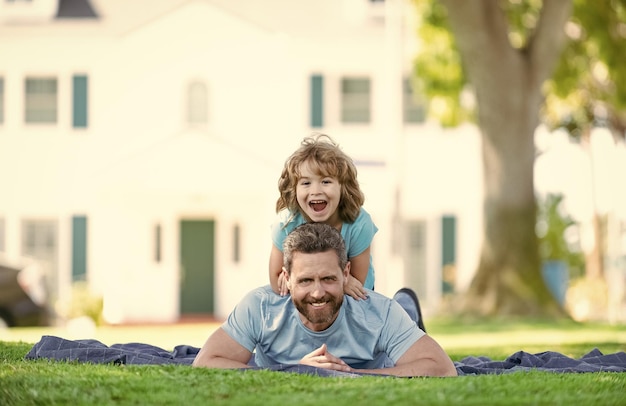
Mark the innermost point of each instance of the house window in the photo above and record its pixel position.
(1, 100)
(30, 11)
(39, 241)
(415, 261)
(413, 106)
(197, 103)
(39, 238)
(355, 100)
(41, 100)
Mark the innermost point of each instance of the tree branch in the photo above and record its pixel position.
(481, 30)
(545, 44)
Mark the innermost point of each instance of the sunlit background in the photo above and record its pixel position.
(141, 142)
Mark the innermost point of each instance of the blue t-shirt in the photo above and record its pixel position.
(367, 334)
(357, 236)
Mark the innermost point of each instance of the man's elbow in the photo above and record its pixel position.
(443, 367)
(204, 360)
(447, 370)
(437, 367)
(197, 363)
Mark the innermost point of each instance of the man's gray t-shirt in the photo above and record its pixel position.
(366, 334)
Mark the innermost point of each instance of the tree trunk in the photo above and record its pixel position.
(508, 280)
(507, 84)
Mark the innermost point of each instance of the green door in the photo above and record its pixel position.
(197, 257)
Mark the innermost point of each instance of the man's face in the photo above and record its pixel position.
(316, 284)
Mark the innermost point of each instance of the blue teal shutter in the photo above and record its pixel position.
(79, 113)
(79, 248)
(317, 101)
(448, 240)
(448, 253)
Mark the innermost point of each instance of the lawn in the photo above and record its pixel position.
(46, 383)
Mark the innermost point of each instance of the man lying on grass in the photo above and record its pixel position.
(317, 325)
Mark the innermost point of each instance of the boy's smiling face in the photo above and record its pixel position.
(318, 196)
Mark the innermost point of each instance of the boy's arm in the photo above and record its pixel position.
(278, 284)
(359, 267)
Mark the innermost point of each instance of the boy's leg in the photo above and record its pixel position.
(408, 300)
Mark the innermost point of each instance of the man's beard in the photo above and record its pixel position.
(316, 316)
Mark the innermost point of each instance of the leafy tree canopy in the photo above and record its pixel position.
(584, 89)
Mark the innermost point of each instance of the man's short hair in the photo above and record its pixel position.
(310, 238)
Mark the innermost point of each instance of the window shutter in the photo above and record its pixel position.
(317, 101)
(79, 114)
(448, 240)
(79, 248)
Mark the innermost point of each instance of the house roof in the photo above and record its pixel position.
(75, 9)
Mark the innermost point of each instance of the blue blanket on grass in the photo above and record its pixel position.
(93, 351)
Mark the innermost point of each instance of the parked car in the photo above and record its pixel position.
(23, 298)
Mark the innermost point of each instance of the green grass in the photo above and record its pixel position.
(44, 382)
(500, 338)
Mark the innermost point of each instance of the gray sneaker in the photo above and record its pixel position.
(408, 300)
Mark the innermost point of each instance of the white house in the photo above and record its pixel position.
(141, 142)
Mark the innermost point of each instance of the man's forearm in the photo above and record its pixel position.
(423, 367)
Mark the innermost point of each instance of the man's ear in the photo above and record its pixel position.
(346, 272)
(287, 277)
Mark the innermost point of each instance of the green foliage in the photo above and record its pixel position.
(586, 87)
(552, 226)
(83, 303)
(438, 69)
(522, 17)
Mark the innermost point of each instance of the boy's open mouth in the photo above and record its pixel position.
(318, 205)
